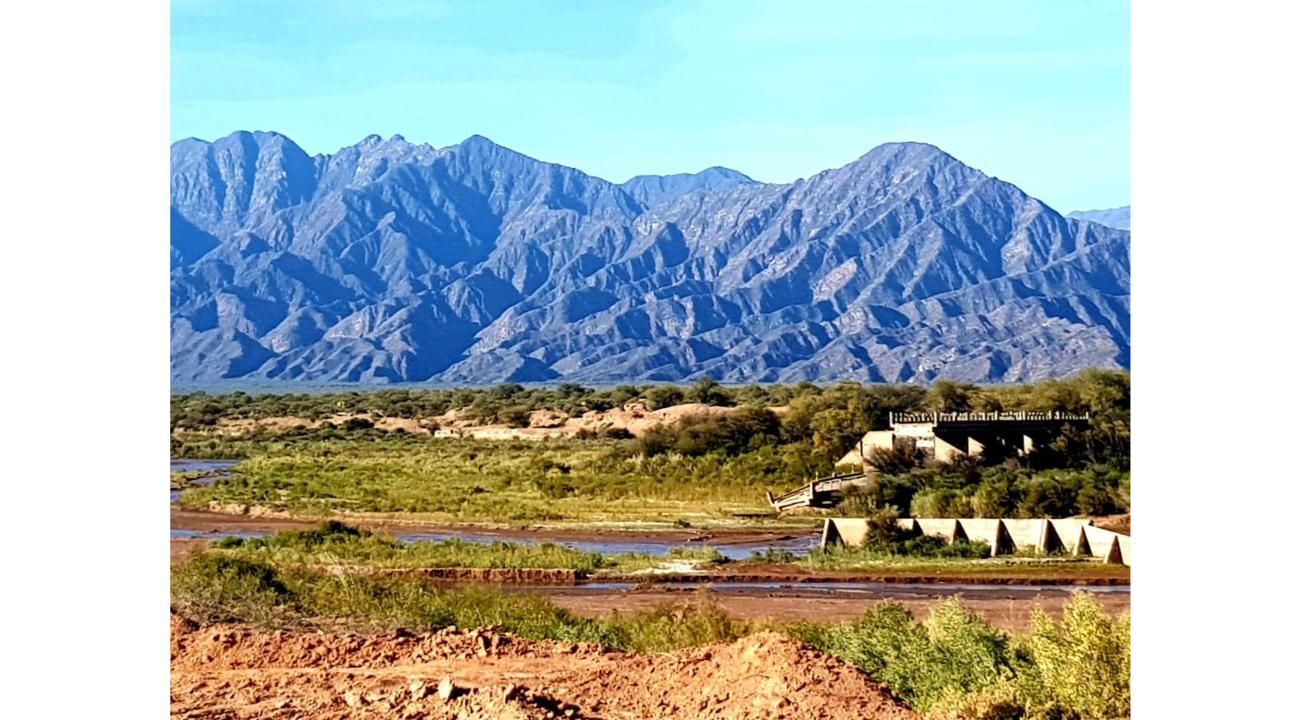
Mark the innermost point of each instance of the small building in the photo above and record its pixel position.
(947, 436)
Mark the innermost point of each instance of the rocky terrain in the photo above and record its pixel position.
(231, 671)
(389, 261)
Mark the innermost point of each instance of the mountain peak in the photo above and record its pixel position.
(1117, 218)
(480, 142)
(655, 189)
(909, 151)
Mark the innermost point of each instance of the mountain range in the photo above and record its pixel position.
(1114, 217)
(391, 261)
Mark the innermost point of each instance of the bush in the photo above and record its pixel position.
(707, 391)
(1081, 664)
(895, 460)
(515, 416)
(670, 627)
(941, 503)
(218, 587)
(883, 530)
(663, 396)
(953, 653)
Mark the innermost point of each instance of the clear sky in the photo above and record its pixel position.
(1035, 92)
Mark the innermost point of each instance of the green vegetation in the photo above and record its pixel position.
(518, 481)
(220, 587)
(334, 544)
(700, 470)
(951, 665)
(337, 544)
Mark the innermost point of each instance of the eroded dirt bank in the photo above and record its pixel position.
(1011, 612)
(224, 671)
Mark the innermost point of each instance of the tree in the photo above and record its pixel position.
(709, 392)
(662, 396)
(948, 396)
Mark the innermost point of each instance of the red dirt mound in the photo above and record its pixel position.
(226, 671)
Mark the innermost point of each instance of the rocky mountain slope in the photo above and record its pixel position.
(392, 261)
(1114, 217)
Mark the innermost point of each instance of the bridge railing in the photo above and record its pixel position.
(805, 494)
(903, 418)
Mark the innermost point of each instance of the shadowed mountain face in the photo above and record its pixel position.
(389, 261)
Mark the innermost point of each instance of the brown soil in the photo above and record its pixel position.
(236, 672)
(1115, 523)
(633, 417)
(512, 576)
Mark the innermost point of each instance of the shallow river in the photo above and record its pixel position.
(734, 551)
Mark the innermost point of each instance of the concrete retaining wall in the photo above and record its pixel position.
(946, 528)
(1029, 534)
(1069, 531)
(986, 530)
(1003, 535)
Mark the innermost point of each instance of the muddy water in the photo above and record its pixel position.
(846, 589)
(798, 545)
(215, 469)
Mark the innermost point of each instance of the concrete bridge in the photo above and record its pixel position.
(818, 493)
(947, 436)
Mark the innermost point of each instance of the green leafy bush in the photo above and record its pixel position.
(1081, 663)
(954, 651)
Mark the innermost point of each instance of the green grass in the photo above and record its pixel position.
(338, 544)
(505, 482)
(215, 586)
(335, 544)
(952, 664)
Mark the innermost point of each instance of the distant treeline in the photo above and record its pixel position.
(814, 427)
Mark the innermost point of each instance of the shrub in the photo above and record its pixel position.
(515, 416)
(776, 556)
(1081, 663)
(999, 701)
(660, 397)
(895, 460)
(883, 530)
(953, 653)
(219, 587)
(707, 391)
(998, 496)
(857, 501)
(941, 503)
(669, 627)
(1049, 496)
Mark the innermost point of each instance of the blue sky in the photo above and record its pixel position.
(1035, 92)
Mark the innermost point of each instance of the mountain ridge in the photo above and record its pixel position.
(388, 261)
(1117, 218)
